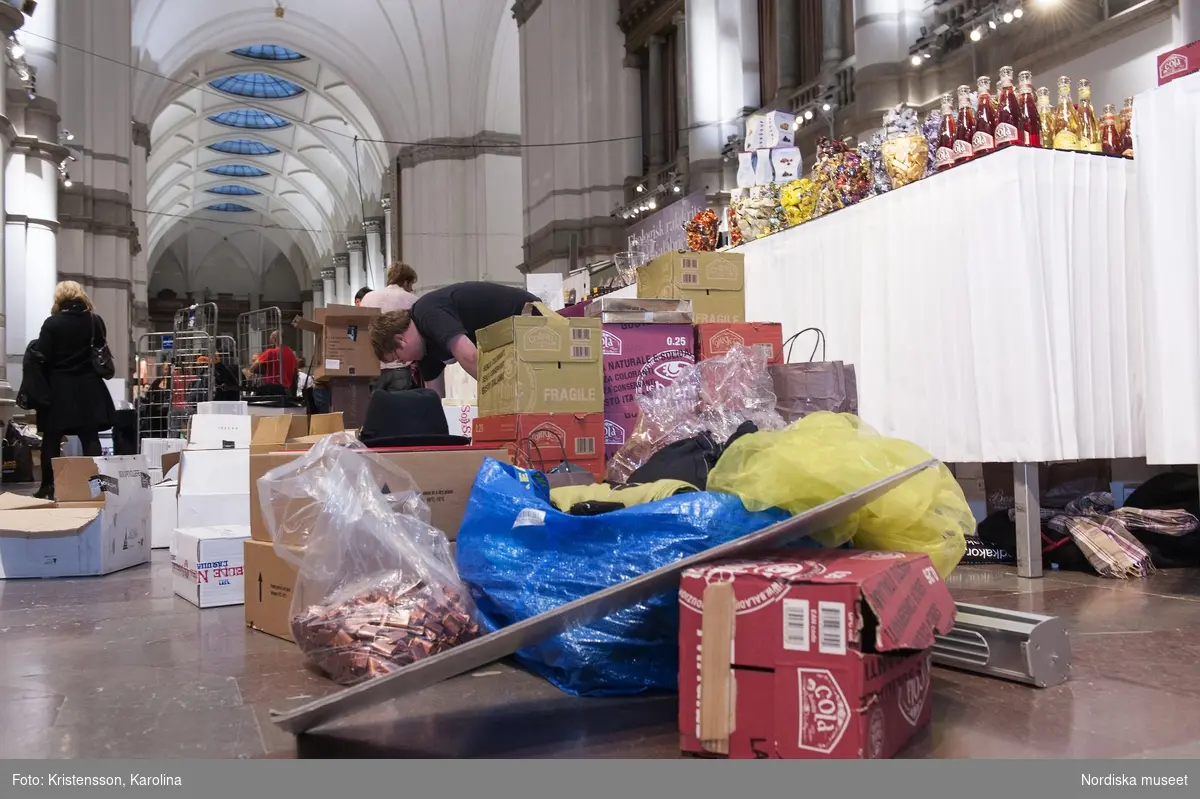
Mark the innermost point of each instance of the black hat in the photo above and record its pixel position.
(410, 418)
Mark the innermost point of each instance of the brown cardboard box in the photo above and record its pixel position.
(445, 476)
(269, 583)
(541, 364)
(72, 478)
(713, 281)
(343, 345)
(274, 433)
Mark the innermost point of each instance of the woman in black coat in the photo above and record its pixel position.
(80, 404)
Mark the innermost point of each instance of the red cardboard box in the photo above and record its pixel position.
(719, 338)
(555, 437)
(1178, 62)
(825, 657)
(638, 359)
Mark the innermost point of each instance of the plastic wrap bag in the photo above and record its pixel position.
(376, 587)
(823, 456)
(522, 557)
(715, 395)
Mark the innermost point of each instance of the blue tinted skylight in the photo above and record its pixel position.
(268, 52)
(243, 147)
(233, 191)
(229, 208)
(237, 171)
(259, 85)
(249, 118)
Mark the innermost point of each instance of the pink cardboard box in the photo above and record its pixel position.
(638, 359)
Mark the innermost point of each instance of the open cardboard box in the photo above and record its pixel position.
(343, 346)
(275, 433)
(102, 526)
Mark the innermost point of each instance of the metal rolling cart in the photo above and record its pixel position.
(257, 332)
(152, 384)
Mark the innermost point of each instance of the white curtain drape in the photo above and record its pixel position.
(993, 313)
(1167, 143)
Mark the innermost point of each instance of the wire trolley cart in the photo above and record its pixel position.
(259, 335)
(152, 384)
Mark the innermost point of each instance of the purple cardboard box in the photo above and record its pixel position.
(638, 359)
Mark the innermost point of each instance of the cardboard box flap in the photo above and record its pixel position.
(322, 424)
(46, 522)
(10, 501)
(308, 325)
(494, 336)
(709, 274)
(270, 430)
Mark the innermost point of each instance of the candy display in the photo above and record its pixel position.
(735, 232)
(841, 175)
(702, 231)
(872, 152)
(758, 213)
(380, 625)
(799, 201)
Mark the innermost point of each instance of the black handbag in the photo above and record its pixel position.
(102, 359)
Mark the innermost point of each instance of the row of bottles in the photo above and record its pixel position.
(1019, 116)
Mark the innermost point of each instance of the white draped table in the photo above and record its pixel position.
(993, 313)
(1167, 143)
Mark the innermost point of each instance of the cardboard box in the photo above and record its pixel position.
(343, 345)
(9, 501)
(445, 477)
(713, 281)
(164, 514)
(825, 657)
(1178, 62)
(460, 417)
(577, 437)
(715, 339)
(208, 565)
(270, 581)
(273, 433)
(96, 536)
(637, 360)
(214, 488)
(350, 396)
(218, 431)
(538, 364)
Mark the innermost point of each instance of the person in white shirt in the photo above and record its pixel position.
(396, 295)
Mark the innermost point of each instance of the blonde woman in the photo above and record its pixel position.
(80, 404)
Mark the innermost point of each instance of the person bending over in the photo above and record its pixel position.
(440, 328)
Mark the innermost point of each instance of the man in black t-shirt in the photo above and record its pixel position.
(440, 327)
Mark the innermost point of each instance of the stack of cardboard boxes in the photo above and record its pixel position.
(343, 357)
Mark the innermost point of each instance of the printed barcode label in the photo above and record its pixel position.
(795, 625)
(831, 632)
(766, 349)
(581, 351)
(581, 333)
(585, 446)
(689, 277)
(691, 263)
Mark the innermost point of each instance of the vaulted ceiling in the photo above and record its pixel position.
(254, 116)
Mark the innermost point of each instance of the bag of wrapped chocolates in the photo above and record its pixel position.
(376, 587)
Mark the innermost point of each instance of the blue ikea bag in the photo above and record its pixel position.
(522, 557)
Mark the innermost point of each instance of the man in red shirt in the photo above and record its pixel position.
(276, 365)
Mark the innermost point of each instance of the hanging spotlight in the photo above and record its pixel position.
(640, 188)
(991, 24)
(916, 60)
(67, 181)
(1008, 17)
(976, 34)
(808, 114)
(1018, 12)
(677, 189)
(826, 107)
(927, 55)
(15, 48)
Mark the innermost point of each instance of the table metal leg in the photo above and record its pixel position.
(1029, 522)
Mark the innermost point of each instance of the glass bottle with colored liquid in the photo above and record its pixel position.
(964, 127)
(1127, 128)
(1110, 140)
(943, 156)
(983, 140)
(1089, 125)
(1066, 118)
(1008, 111)
(1030, 125)
(1045, 117)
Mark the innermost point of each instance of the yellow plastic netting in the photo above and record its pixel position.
(823, 456)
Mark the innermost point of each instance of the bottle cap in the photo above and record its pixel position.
(1109, 108)
(984, 83)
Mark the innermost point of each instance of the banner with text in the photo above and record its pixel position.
(663, 230)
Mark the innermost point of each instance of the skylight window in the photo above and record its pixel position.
(243, 147)
(237, 171)
(250, 118)
(258, 85)
(232, 208)
(268, 52)
(233, 191)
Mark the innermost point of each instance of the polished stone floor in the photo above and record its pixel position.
(119, 667)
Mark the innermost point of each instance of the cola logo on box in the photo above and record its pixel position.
(1176, 64)
(824, 711)
(662, 368)
(613, 433)
(724, 341)
(913, 691)
(611, 343)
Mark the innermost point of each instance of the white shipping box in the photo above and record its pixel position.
(214, 487)
(76, 541)
(208, 565)
(460, 417)
(220, 431)
(164, 513)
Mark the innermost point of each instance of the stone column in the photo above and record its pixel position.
(681, 83)
(390, 249)
(1189, 21)
(318, 294)
(11, 19)
(787, 51)
(375, 266)
(831, 34)
(654, 69)
(139, 200)
(357, 246)
(329, 287)
(341, 267)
